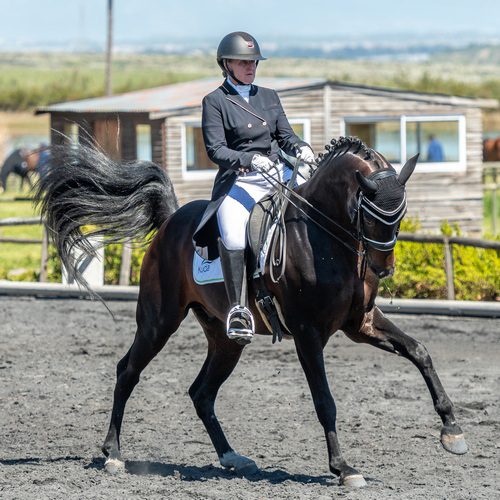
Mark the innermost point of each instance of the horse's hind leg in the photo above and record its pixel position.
(153, 331)
(223, 355)
(377, 330)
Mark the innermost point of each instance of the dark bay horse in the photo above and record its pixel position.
(20, 162)
(340, 239)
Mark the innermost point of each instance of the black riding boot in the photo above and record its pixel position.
(240, 323)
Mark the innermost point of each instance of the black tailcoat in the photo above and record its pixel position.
(234, 131)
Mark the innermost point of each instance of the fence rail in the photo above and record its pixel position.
(30, 221)
(446, 241)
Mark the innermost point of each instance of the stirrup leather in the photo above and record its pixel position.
(236, 313)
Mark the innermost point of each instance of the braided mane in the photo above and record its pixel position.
(342, 145)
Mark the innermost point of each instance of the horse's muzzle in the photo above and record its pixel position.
(384, 272)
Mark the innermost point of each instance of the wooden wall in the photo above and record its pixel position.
(114, 132)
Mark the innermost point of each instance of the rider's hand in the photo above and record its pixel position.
(306, 155)
(262, 163)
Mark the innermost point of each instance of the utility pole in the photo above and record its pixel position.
(109, 86)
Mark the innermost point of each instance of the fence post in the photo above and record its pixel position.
(45, 253)
(494, 208)
(448, 262)
(125, 265)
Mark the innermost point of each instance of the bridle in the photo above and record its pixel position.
(386, 217)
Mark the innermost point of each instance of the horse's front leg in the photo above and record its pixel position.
(309, 347)
(380, 332)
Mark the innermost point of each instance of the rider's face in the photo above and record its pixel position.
(244, 71)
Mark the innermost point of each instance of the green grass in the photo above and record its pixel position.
(19, 261)
(28, 80)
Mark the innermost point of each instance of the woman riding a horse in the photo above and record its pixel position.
(341, 229)
(244, 128)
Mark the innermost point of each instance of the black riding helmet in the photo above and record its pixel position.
(238, 45)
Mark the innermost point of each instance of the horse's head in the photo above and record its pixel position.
(381, 204)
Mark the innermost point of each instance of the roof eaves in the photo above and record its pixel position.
(155, 115)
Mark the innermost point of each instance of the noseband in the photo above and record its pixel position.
(386, 217)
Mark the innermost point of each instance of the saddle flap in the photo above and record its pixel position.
(260, 230)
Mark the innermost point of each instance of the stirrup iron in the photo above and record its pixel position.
(243, 332)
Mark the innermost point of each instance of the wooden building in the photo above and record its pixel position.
(164, 124)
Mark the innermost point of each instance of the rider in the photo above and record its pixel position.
(244, 128)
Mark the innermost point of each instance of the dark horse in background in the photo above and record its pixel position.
(491, 149)
(20, 162)
(339, 242)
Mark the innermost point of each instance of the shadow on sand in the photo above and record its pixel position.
(194, 473)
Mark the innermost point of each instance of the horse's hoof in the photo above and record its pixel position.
(238, 463)
(114, 466)
(353, 481)
(454, 443)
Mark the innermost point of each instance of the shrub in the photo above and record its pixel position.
(113, 260)
(420, 270)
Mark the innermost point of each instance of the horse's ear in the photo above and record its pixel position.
(408, 169)
(367, 185)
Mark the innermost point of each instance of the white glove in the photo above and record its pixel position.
(306, 155)
(260, 162)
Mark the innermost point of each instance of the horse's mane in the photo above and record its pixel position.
(354, 145)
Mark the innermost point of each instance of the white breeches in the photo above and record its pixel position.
(233, 213)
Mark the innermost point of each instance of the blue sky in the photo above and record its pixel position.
(24, 21)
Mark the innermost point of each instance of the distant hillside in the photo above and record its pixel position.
(28, 80)
(472, 54)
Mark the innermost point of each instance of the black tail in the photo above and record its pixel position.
(84, 193)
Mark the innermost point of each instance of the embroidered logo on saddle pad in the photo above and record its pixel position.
(206, 271)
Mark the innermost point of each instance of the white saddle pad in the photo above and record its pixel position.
(210, 271)
(206, 271)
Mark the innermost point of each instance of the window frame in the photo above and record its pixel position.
(427, 167)
(438, 166)
(203, 174)
(306, 122)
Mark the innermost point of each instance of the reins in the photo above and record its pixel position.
(286, 195)
(284, 187)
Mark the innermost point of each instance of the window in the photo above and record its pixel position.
(302, 128)
(195, 158)
(434, 141)
(440, 140)
(383, 136)
(143, 142)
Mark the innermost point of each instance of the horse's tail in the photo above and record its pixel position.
(86, 194)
